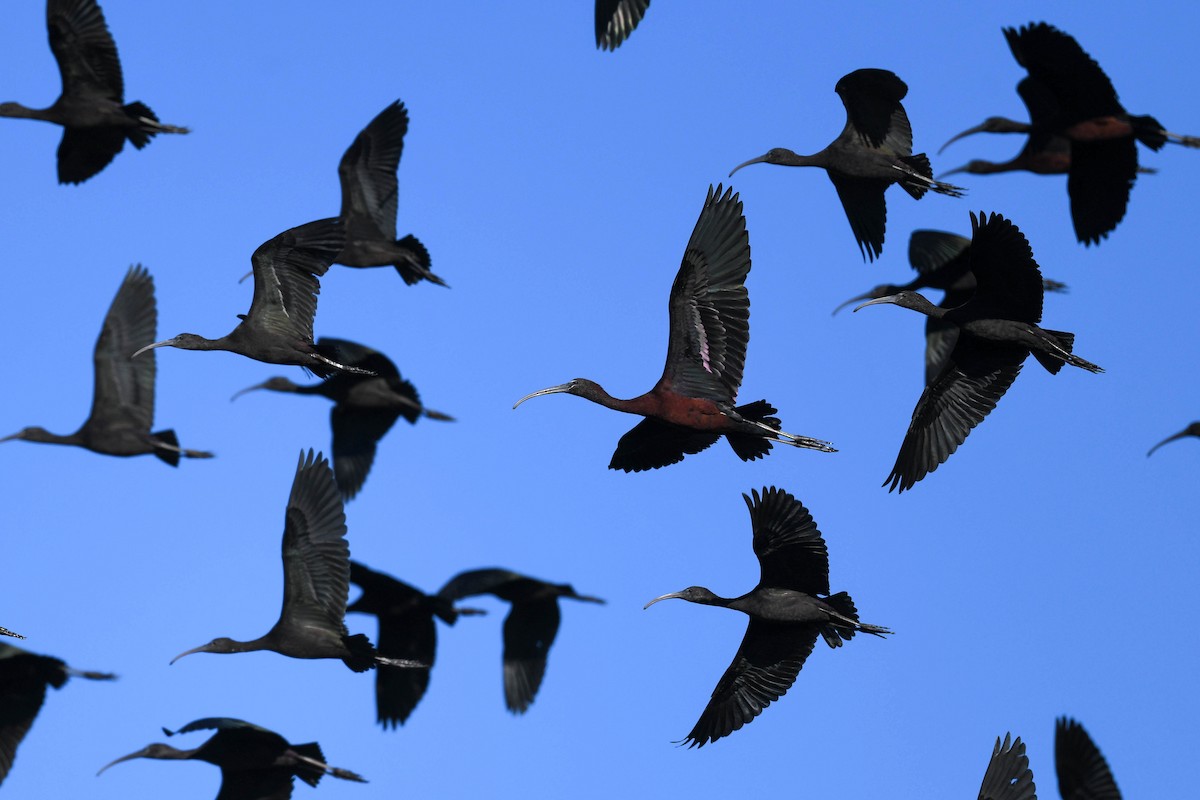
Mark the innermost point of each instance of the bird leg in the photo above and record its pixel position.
(158, 443)
(343, 367)
(161, 127)
(406, 663)
(938, 186)
(336, 772)
(783, 437)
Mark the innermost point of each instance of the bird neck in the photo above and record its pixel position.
(590, 390)
(24, 112)
(46, 437)
(786, 158)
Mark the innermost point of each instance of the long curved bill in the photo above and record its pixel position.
(758, 160)
(552, 390)
(201, 649)
(864, 296)
(1177, 436)
(671, 596)
(164, 343)
(964, 134)
(10, 438)
(236, 395)
(891, 298)
(139, 754)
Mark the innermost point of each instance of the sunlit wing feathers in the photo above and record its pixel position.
(1083, 774)
(368, 176)
(866, 209)
(1056, 60)
(316, 557)
(124, 386)
(84, 49)
(653, 443)
(1008, 281)
(616, 19)
(873, 111)
(764, 668)
(529, 630)
(286, 269)
(709, 306)
(1008, 776)
(789, 547)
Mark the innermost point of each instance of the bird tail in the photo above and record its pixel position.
(1053, 362)
(305, 771)
(748, 446)
(920, 164)
(844, 623)
(362, 653)
(1148, 131)
(169, 455)
(414, 267)
(148, 125)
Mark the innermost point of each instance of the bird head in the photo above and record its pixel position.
(904, 299)
(184, 341)
(31, 434)
(693, 594)
(990, 125)
(580, 387)
(882, 290)
(156, 750)
(776, 155)
(274, 384)
(218, 645)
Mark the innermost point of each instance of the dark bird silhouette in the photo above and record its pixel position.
(1083, 773)
(872, 152)
(1008, 776)
(24, 677)
(406, 631)
(1190, 430)
(369, 197)
(786, 614)
(316, 580)
(256, 763)
(365, 408)
(997, 330)
(92, 107)
(529, 628)
(616, 19)
(279, 326)
(7, 632)
(123, 394)
(1071, 99)
(692, 405)
(942, 261)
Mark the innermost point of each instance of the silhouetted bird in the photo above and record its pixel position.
(1008, 776)
(1083, 773)
(406, 631)
(616, 19)
(1190, 430)
(316, 580)
(692, 405)
(786, 614)
(24, 677)
(872, 152)
(529, 628)
(369, 198)
(123, 394)
(364, 407)
(1069, 96)
(92, 107)
(278, 327)
(999, 323)
(256, 763)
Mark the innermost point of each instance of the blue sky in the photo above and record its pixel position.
(1048, 568)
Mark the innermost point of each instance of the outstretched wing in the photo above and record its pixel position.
(865, 207)
(1083, 774)
(124, 387)
(529, 630)
(616, 19)
(85, 50)
(938, 256)
(368, 176)
(1056, 60)
(789, 547)
(653, 443)
(873, 112)
(356, 433)
(1099, 182)
(286, 269)
(1008, 776)
(1008, 281)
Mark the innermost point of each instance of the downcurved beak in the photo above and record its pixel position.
(758, 160)
(671, 596)
(552, 390)
(10, 438)
(247, 275)
(891, 298)
(953, 139)
(236, 395)
(201, 649)
(164, 343)
(1179, 435)
(139, 754)
(864, 296)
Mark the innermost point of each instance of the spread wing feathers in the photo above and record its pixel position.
(930, 251)
(22, 692)
(1056, 60)
(480, 581)
(356, 432)
(616, 19)
(940, 339)
(765, 667)
(1008, 281)
(83, 152)
(1099, 181)
(968, 388)
(272, 783)
(410, 635)
(316, 557)
(368, 176)
(529, 630)
(873, 111)
(84, 49)
(234, 730)
(1008, 776)
(124, 386)
(1083, 773)
(653, 443)
(286, 269)
(862, 199)
(709, 305)
(789, 547)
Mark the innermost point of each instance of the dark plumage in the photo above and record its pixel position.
(1008, 776)
(92, 107)
(616, 19)
(529, 628)
(786, 614)
(1083, 773)
(872, 152)
(692, 405)
(123, 392)
(1190, 430)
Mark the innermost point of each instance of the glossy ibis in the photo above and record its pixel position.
(786, 614)
(24, 677)
(942, 261)
(278, 327)
(256, 763)
(369, 197)
(316, 580)
(407, 631)
(364, 407)
(872, 152)
(999, 323)
(7, 632)
(616, 19)
(529, 628)
(91, 108)
(1069, 96)
(1190, 430)
(123, 393)
(1083, 774)
(1008, 776)
(691, 406)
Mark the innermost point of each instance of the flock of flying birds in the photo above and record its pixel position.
(978, 338)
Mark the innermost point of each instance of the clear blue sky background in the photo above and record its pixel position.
(1047, 568)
